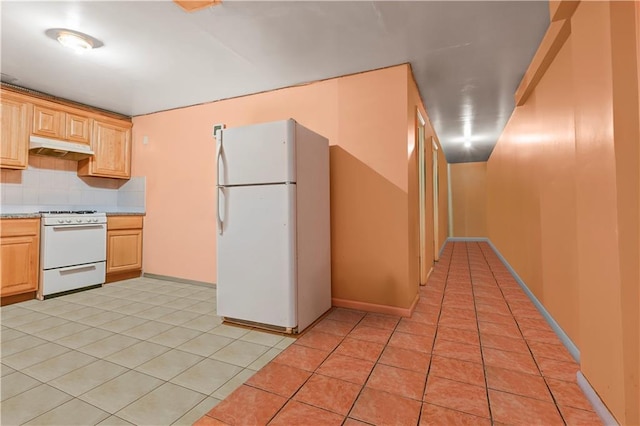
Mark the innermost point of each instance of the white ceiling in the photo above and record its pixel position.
(467, 57)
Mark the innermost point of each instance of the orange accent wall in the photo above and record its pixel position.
(563, 193)
(469, 197)
(364, 116)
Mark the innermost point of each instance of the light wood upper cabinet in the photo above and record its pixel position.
(124, 247)
(20, 254)
(51, 121)
(48, 122)
(78, 128)
(111, 143)
(16, 115)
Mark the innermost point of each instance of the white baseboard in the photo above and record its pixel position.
(601, 410)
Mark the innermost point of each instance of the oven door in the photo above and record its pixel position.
(68, 245)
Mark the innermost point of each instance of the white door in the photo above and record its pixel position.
(256, 254)
(257, 154)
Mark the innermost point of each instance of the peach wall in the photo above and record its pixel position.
(364, 117)
(469, 196)
(562, 197)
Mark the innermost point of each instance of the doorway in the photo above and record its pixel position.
(436, 196)
(422, 191)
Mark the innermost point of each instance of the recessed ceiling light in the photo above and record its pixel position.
(74, 40)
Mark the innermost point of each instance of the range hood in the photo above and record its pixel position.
(60, 149)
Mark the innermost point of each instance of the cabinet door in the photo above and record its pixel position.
(20, 254)
(48, 122)
(14, 150)
(77, 128)
(112, 147)
(124, 250)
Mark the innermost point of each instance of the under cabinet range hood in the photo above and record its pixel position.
(60, 149)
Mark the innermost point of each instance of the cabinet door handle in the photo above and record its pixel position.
(77, 268)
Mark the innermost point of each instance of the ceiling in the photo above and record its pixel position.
(467, 57)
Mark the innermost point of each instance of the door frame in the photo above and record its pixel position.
(436, 203)
(422, 198)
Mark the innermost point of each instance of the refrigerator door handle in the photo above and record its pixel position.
(220, 222)
(219, 188)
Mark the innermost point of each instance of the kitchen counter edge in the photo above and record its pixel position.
(38, 215)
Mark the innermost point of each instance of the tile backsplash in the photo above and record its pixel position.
(53, 184)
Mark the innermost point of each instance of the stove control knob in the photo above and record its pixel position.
(60, 221)
(95, 220)
(79, 220)
(68, 220)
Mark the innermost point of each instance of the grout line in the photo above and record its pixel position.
(484, 367)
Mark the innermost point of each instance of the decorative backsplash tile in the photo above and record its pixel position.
(51, 183)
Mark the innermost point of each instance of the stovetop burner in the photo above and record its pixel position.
(69, 212)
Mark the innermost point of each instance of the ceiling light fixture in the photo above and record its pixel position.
(74, 40)
(467, 144)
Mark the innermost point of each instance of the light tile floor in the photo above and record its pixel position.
(475, 352)
(142, 351)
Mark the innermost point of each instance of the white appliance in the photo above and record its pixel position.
(73, 251)
(274, 253)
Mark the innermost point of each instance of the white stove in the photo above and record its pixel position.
(73, 251)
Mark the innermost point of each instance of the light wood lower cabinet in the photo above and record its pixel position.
(20, 259)
(124, 247)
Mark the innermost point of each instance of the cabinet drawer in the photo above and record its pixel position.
(19, 227)
(124, 222)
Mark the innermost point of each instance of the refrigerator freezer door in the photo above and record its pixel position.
(257, 154)
(256, 255)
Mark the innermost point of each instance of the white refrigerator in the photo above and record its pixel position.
(273, 242)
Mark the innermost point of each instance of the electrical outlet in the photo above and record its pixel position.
(217, 127)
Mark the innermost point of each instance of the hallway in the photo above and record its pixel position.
(475, 351)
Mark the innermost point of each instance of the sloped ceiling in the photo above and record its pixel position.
(467, 57)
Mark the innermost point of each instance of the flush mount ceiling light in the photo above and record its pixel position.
(74, 40)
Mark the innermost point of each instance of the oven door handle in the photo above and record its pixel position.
(77, 268)
(94, 226)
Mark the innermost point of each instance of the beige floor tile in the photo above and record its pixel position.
(264, 359)
(20, 344)
(33, 355)
(125, 323)
(205, 344)
(169, 364)
(285, 343)
(155, 312)
(240, 353)
(59, 366)
(205, 308)
(116, 394)
(32, 403)
(92, 299)
(5, 370)
(162, 406)
(115, 303)
(230, 331)
(108, 346)
(10, 334)
(133, 308)
(114, 421)
(183, 304)
(57, 306)
(16, 383)
(184, 292)
(196, 412)
(178, 317)
(225, 390)
(11, 311)
(18, 321)
(262, 338)
(61, 331)
(175, 336)
(96, 320)
(43, 324)
(147, 330)
(203, 322)
(84, 338)
(160, 299)
(73, 412)
(206, 376)
(88, 377)
(137, 354)
(78, 314)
